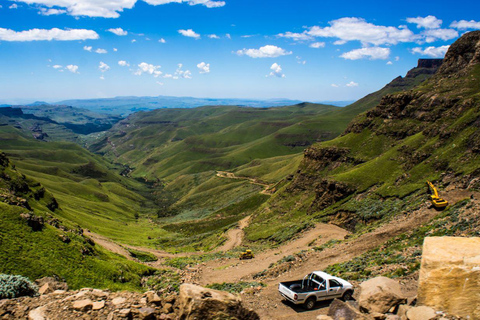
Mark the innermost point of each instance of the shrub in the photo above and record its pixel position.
(16, 286)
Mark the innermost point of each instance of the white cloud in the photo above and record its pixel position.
(464, 24)
(434, 52)
(162, 40)
(228, 36)
(149, 69)
(389, 63)
(334, 85)
(276, 71)
(13, 6)
(118, 31)
(115, 49)
(317, 45)
(397, 58)
(213, 36)
(101, 51)
(300, 61)
(433, 35)
(180, 73)
(204, 67)
(352, 84)
(107, 8)
(296, 36)
(429, 22)
(373, 53)
(357, 29)
(102, 77)
(103, 66)
(87, 48)
(160, 83)
(339, 42)
(51, 12)
(267, 51)
(189, 33)
(72, 68)
(168, 76)
(134, 40)
(47, 35)
(123, 63)
(57, 66)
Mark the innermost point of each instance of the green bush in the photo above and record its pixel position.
(16, 286)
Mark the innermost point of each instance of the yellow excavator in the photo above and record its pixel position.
(437, 202)
(246, 255)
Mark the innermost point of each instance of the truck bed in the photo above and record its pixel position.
(296, 286)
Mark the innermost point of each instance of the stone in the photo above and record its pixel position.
(167, 308)
(125, 313)
(147, 313)
(421, 313)
(99, 293)
(37, 314)
(450, 276)
(196, 302)
(152, 297)
(340, 310)
(83, 305)
(402, 311)
(324, 317)
(98, 305)
(380, 294)
(118, 300)
(46, 288)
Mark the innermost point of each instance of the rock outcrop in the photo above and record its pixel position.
(450, 275)
(380, 294)
(196, 302)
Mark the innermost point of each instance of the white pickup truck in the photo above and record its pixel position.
(315, 286)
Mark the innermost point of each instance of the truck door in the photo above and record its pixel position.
(320, 289)
(335, 288)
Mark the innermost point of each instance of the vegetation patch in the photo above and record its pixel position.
(235, 287)
(163, 280)
(142, 255)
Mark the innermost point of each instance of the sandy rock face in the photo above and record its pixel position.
(196, 302)
(450, 276)
(380, 294)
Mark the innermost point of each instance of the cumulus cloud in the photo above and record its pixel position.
(433, 35)
(72, 68)
(434, 52)
(123, 63)
(213, 36)
(189, 33)
(334, 85)
(464, 24)
(47, 35)
(51, 12)
(107, 8)
(276, 71)
(357, 29)
(103, 66)
(389, 63)
(428, 22)
(180, 73)
(372, 53)
(57, 66)
(148, 69)
(352, 84)
(13, 6)
(267, 51)
(204, 67)
(87, 48)
(296, 36)
(162, 40)
(101, 51)
(118, 31)
(317, 45)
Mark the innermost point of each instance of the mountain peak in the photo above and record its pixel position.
(462, 54)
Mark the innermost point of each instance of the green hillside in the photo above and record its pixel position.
(378, 167)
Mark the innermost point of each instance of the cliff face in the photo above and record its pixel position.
(430, 132)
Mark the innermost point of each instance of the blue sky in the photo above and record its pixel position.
(307, 50)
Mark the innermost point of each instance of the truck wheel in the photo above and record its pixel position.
(347, 296)
(309, 304)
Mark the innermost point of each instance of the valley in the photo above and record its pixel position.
(174, 195)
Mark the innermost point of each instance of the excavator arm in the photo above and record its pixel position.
(437, 202)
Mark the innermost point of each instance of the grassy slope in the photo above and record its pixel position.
(42, 253)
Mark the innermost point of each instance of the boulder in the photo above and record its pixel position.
(380, 294)
(340, 310)
(118, 301)
(98, 305)
(37, 314)
(421, 313)
(450, 276)
(46, 288)
(83, 305)
(147, 313)
(195, 302)
(152, 297)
